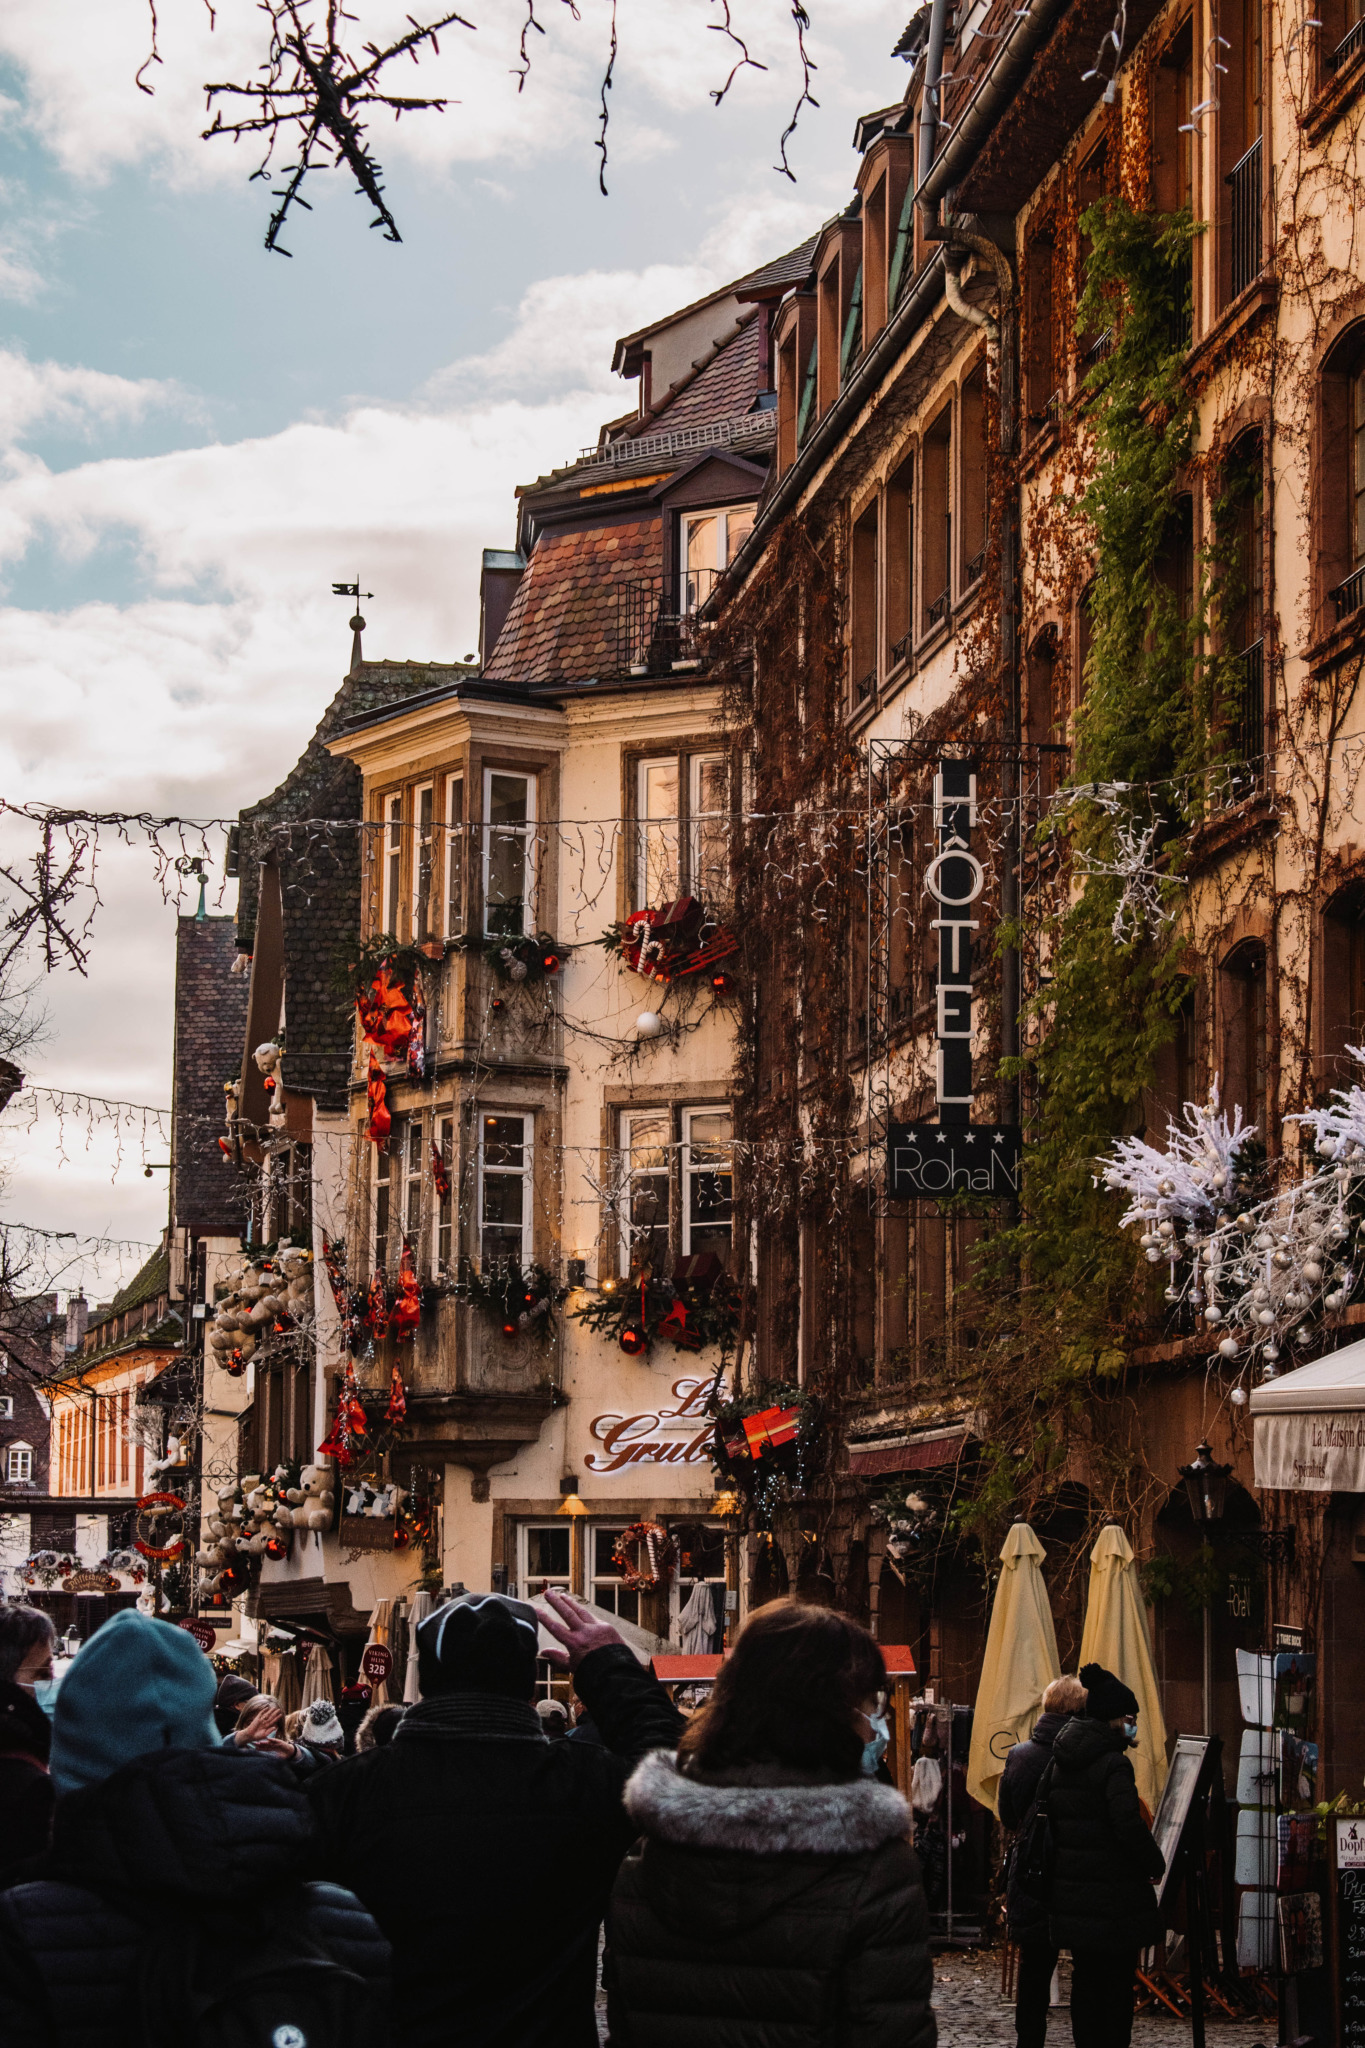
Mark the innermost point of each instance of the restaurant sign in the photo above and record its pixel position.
(665, 1436)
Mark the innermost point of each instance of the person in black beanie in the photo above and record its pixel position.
(486, 1852)
(1102, 1906)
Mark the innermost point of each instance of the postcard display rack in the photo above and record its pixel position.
(1278, 1868)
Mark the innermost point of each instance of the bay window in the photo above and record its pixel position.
(505, 1223)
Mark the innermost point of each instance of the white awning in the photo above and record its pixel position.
(1310, 1426)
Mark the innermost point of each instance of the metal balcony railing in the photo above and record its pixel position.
(1353, 40)
(1349, 596)
(935, 613)
(1098, 349)
(657, 623)
(900, 650)
(1245, 180)
(1247, 723)
(865, 687)
(974, 567)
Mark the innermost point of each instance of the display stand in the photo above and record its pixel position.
(1180, 1830)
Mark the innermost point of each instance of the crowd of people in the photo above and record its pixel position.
(180, 1860)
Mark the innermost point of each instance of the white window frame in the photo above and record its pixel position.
(524, 1574)
(19, 1464)
(609, 1525)
(445, 1255)
(393, 861)
(411, 1182)
(662, 1112)
(423, 844)
(647, 828)
(685, 826)
(455, 861)
(526, 1171)
(687, 520)
(6, 1407)
(526, 832)
(686, 1168)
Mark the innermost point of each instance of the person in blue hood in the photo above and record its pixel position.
(170, 1858)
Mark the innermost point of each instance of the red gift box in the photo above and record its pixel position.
(770, 1429)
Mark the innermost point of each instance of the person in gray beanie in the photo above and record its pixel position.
(471, 1809)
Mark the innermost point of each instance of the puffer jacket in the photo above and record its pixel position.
(767, 1910)
(222, 1844)
(1022, 1775)
(26, 1794)
(1106, 1860)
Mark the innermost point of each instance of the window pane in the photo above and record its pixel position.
(504, 1140)
(710, 1185)
(393, 861)
(648, 1142)
(703, 541)
(659, 881)
(1358, 426)
(603, 1544)
(739, 525)
(503, 1199)
(443, 1243)
(710, 876)
(547, 1552)
(455, 858)
(422, 864)
(509, 807)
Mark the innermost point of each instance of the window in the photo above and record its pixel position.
(1239, 150)
(1342, 34)
(863, 651)
(1092, 182)
(1343, 984)
(445, 1204)
(393, 862)
(19, 1464)
(972, 442)
(546, 1549)
(900, 556)
(505, 1236)
(1244, 614)
(509, 806)
(701, 1561)
(124, 1401)
(455, 857)
(6, 1407)
(937, 540)
(1244, 1033)
(1340, 488)
(708, 543)
(646, 1145)
(697, 828)
(423, 819)
(708, 1185)
(383, 1177)
(1044, 396)
(1173, 99)
(413, 1163)
(1357, 475)
(606, 1589)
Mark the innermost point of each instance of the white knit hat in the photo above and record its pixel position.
(321, 1724)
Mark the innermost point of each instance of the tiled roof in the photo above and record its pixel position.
(210, 1026)
(563, 622)
(727, 387)
(783, 270)
(149, 1281)
(320, 882)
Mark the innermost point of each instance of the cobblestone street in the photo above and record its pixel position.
(972, 2014)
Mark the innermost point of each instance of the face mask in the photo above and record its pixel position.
(45, 1692)
(875, 1750)
(1130, 1730)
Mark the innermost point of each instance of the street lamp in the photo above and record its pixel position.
(1206, 1484)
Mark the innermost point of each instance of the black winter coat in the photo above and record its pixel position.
(765, 1913)
(486, 1854)
(26, 1793)
(1106, 1859)
(181, 1832)
(1024, 1767)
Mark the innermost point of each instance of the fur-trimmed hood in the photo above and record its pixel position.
(758, 1813)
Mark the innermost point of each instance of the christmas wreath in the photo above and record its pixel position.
(153, 1511)
(645, 1555)
(520, 1303)
(698, 1306)
(518, 963)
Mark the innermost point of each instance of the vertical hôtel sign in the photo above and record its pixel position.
(954, 1155)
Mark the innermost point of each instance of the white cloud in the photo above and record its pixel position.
(75, 399)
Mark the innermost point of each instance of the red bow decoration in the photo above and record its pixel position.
(439, 1177)
(337, 1443)
(398, 1400)
(380, 1123)
(350, 1399)
(386, 1014)
(377, 1308)
(407, 1307)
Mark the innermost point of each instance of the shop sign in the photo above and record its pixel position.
(376, 1663)
(203, 1632)
(939, 1160)
(655, 1436)
(1322, 1453)
(954, 880)
(90, 1582)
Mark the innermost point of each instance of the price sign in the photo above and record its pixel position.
(377, 1663)
(204, 1633)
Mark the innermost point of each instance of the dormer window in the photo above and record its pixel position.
(19, 1464)
(708, 543)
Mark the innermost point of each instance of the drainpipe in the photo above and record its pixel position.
(963, 231)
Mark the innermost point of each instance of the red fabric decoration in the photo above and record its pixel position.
(386, 1014)
(337, 1443)
(407, 1307)
(380, 1123)
(350, 1400)
(440, 1178)
(377, 1308)
(398, 1400)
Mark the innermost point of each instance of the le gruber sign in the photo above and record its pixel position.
(953, 1155)
(655, 1436)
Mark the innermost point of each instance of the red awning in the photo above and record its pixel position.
(917, 1453)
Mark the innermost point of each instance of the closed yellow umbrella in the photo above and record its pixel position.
(1115, 1635)
(1021, 1661)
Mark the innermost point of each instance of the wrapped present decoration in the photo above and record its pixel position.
(770, 1429)
(676, 940)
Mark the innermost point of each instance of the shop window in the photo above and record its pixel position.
(1041, 363)
(393, 863)
(505, 1222)
(900, 558)
(701, 1562)
(423, 825)
(606, 1589)
(864, 607)
(683, 829)
(1092, 183)
(509, 808)
(1239, 150)
(19, 1464)
(454, 877)
(973, 492)
(1343, 984)
(708, 542)
(708, 1181)
(1341, 480)
(937, 528)
(446, 1247)
(1244, 1033)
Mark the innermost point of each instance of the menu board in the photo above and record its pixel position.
(1349, 1915)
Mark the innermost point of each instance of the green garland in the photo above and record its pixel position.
(541, 957)
(712, 1314)
(508, 1295)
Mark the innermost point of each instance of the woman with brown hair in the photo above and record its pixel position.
(775, 1896)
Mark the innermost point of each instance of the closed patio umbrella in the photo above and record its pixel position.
(1020, 1662)
(1115, 1635)
(422, 1604)
(317, 1676)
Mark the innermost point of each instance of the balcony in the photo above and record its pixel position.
(1245, 180)
(974, 567)
(1246, 722)
(1351, 42)
(658, 628)
(1348, 597)
(936, 612)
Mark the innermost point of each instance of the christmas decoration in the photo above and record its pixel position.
(160, 1526)
(407, 1305)
(268, 1295)
(387, 988)
(674, 941)
(645, 1555)
(522, 1304)
(519, 963)
(398, 1400)
(440, 1179)
(762, 1443)
(377, 1308)
(698, 1306)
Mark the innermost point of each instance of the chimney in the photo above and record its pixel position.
(77, 1321)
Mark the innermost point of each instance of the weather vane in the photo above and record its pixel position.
(357, 624)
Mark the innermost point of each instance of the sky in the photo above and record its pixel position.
(197, 437)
